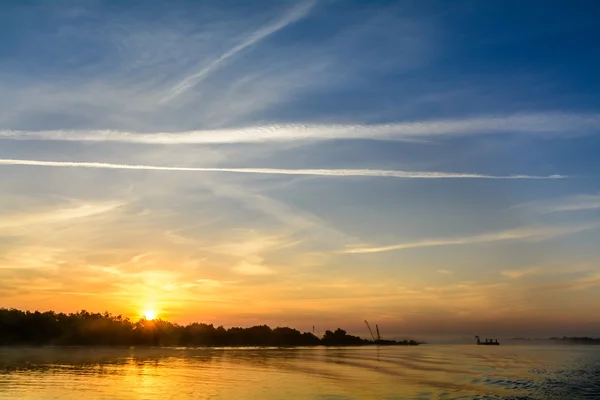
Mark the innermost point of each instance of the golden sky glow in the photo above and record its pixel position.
(288, 166)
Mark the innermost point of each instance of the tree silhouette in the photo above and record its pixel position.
(94, 329)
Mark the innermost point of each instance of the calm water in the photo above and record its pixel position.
(423, 372)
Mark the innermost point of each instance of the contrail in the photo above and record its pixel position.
(532, 124)
(279, 171)
(292, 16)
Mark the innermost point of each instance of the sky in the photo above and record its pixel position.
(430, 166)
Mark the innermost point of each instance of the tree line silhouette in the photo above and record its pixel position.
(92, 329)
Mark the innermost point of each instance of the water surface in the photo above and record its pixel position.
(423, 372)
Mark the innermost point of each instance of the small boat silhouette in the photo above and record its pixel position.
(490, 342)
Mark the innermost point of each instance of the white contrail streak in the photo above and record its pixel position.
(279, 171)
(545, 123)
(189, 82)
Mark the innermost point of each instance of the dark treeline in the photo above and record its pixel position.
(90, 329)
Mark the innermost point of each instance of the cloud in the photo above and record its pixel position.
(574, 203)
(58, 215)
(248, 249)
(520, 273)
(585, 283)
(139, 64)
(248, 268)
(444, 271)
(549, 269)
(293, 15)
(298, 222)
(279, 171)
(213, 283)
(549, 123)
(536, 233)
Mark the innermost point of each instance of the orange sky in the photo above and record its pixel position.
(303, 164)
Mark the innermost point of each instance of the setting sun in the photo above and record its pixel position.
(149, 314)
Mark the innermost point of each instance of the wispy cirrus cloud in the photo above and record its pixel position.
(582, 202)
(58, 215)
(520, 273)
(529, 234)
(540, 123)
(248, 268)
(585, 283)
(444, 271)
(279, 171)
(141, 65)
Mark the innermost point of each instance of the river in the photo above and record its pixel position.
(422, 372)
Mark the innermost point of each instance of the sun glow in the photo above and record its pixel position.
(149, 314)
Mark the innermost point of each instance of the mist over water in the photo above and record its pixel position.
(423, 372)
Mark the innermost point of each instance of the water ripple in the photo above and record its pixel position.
(424, 372)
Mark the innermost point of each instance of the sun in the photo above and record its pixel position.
(149, 314)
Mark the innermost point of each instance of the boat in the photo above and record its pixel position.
(490, 342)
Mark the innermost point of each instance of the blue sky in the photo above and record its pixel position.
(415, 163)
